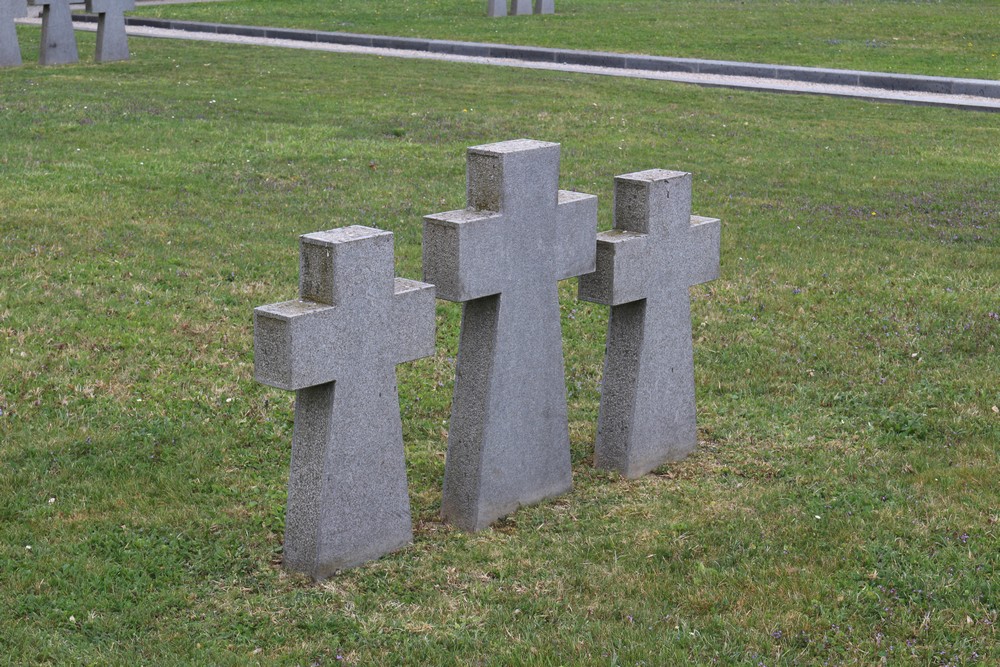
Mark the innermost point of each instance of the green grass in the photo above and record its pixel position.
(943, 37)
(841, 508)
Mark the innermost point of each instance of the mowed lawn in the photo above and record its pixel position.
(945, 37)
(841, 509)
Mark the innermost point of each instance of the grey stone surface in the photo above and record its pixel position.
(545, 6)
(337, 346)
(112, 42)
(10, 49)
(58, 45)
(508, 443)
(644, 268)
(496, 8)
(519, 7)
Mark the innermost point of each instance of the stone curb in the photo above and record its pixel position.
(896, 82)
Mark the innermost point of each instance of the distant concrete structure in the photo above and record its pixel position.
(58, 39)
(645, 266)
(337, 347)
(10, 49)
(519, 7)
(503, 256)
(112, 42)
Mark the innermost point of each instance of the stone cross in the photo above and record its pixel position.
(337, 347)
(496, 8)
(644, 268)
(112, 42)
(517, 7)
(10, 50)
(508, 443)
(58, 40)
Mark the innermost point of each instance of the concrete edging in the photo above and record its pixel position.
(877, 80)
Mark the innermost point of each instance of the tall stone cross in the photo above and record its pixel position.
(644, 268)
(508, 443)
(337, 347)
(112, 42)
(10, 49)
(58, 40)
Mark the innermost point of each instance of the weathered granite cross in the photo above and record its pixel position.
(644, 268)
(508, 443)
(112, 42)
(58, 40)
(337, 347)
(10, 50)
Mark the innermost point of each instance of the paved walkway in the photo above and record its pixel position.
(971, 94)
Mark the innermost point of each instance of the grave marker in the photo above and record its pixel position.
(112, 42)
(645, 266)
(337, 347)
(10, 49)
(496, 8)
(519, 7)
(508, 443)
(58, 45)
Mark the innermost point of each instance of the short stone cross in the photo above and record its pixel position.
(337, 347)
(112, 42)
(644, 268)
(58, 40)
(508, 443)
(10, 49)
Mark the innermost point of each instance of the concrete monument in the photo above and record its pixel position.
(496, 8)
(508, 443)
(644, 268)
(519, 7)
(10, 49)
(58, 40)
(112, 42)
(337, 346)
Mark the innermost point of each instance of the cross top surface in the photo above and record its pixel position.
(350, 307)
(644, 268)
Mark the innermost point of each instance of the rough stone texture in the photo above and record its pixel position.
(10, 49)
(112, 42)
(644, 268)
(518, 7)
(545, 6)
(496, 8)
(337, 347)
(58, 40)
(508, 443)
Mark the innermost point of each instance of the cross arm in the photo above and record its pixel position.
(291, 344)
(14, 9)
(462, 255)
(706, 240)
(622, 269)
(576, 224)
(413, 319)
(106, 6)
